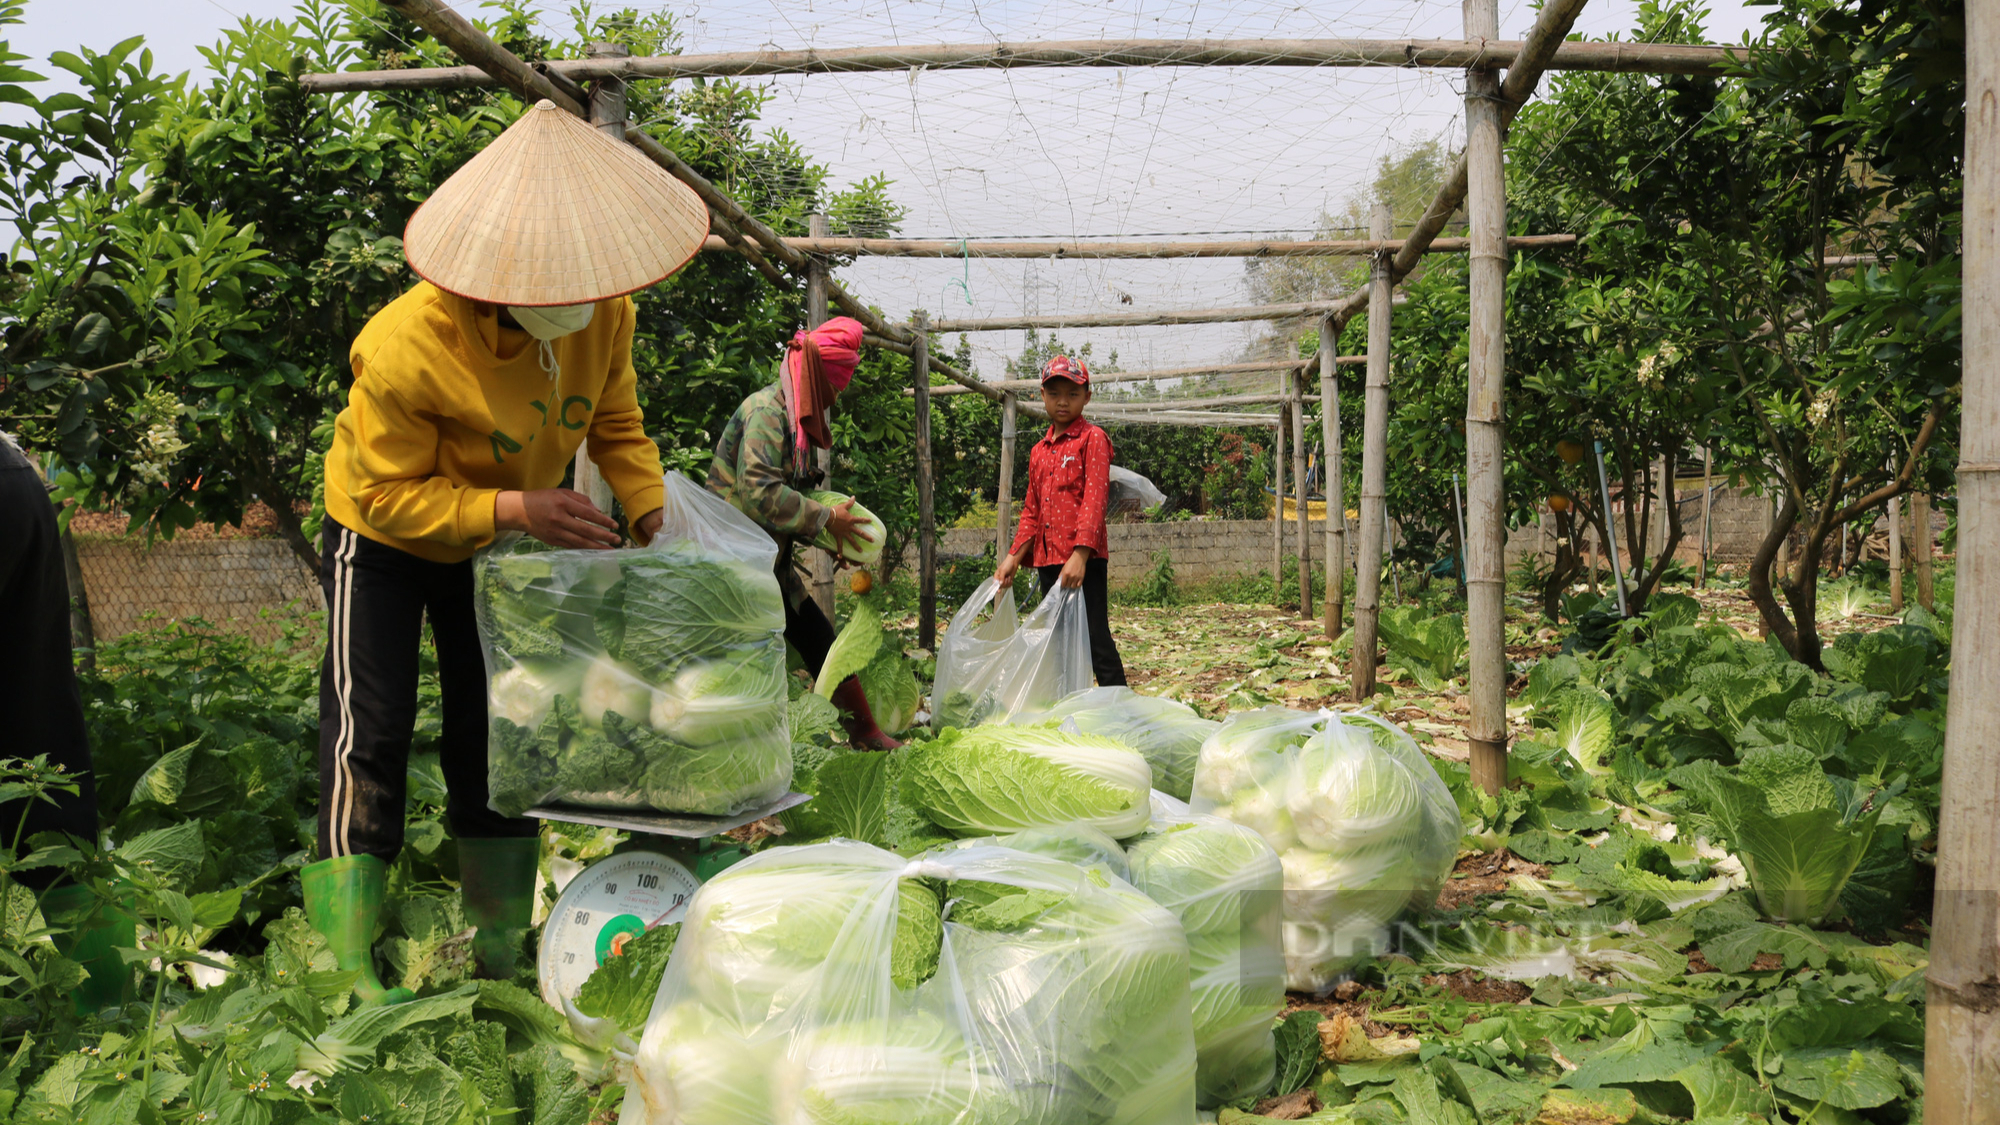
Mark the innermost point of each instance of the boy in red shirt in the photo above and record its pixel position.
(1062, 516)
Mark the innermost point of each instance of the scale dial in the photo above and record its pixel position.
(619, 897)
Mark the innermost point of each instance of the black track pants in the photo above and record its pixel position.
(376, 600)
(809, 633)
(38, 691)
(1104, 660)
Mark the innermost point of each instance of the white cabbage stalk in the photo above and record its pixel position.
(608, 686)
(523, 695)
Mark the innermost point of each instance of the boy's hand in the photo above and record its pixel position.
(559, 517)
(1072, 571)
(1004, 573)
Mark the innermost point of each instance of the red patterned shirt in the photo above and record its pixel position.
(1069, 480)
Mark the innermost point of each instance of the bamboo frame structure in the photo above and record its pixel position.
(1278, 502)
(1485, 537)
(955, 249)
(1003, 493)
(920, 378)
(818, 274)
(1334, 482)
(1373, 527)
(1962, 1028)
(1251, 368)
(1622, 58)
(606, 110)
(1141, 319)
(1300, 506)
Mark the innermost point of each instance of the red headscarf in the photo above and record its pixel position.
(821, 364)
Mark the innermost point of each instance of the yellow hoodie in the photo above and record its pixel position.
(449, 409)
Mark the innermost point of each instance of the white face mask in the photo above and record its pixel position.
(553, 321)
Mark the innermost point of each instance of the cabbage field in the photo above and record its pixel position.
(1705, 897)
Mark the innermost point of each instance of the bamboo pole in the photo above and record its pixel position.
(496, 64)
(817, 276)
(1925, 546)
(1199, 372)
(1962, 1026)
(1895, 554)
(1191, 418)
(1334, 479)
(1003, 494)
(606, 110)
(1300, 506)
(1611, 529)
(1374, 525)
(1077, 250)
(1278, 504)
(920, 378)
(1707, 513)
(1621, 58)
(1144, 404)
(1484, 564)
(1225, 315)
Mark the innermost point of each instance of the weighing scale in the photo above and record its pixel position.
(635, 888)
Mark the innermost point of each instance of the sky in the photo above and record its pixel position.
(1159, 152)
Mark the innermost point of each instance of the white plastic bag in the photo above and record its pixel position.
(1225, 884)
(1361, 822)
(648, 678)
(1169, 733)
(1128, 485)
(841, 982)
(987, 671)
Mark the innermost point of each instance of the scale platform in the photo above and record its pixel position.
(684, 825)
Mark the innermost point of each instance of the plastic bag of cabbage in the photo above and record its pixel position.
(1169, 733)
(1361, 823)
(998, 779)
(1224, 883)
(650, 678)
(990, 669)
(839, 982)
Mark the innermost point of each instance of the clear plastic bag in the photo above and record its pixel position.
(1225, 885)
(1128, 485)
(840, 982)
(644, 679)
(1362, 824)
(988, 671)
(1169, 733)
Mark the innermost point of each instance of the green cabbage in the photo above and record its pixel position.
(994, 779)
(711, 702)
(524, 693)
(907, 1070)
(865, 650)
(1223, 882)
(1168, 733)
(697, 1067)
(1073, 843)
(871, 532)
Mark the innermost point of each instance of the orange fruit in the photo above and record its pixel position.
(1558, 503)
(1570, 451)
(862, 582)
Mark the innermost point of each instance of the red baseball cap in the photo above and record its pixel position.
(1063, 367)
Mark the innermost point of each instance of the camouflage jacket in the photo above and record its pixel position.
(759, 468)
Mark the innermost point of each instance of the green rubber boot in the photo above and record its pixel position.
(497, 882)
(93, 942)
(344, 903)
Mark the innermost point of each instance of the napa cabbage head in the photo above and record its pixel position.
(697, 1067)
(999, 779)
(1168, 733)
(910, 1070)
(714, 701)
(1080, 844)
(525, 693)
(870, 533)
(610, 686)
(1352, 796)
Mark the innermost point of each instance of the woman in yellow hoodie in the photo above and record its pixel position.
(472, 393)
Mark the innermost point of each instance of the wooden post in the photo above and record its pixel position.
(1374, 525)
(606, 111)
(1924, 544)
(1304, 545)
(1962, 1035)
(1707, 513)
(823, 568)
(1485, 566)
(1278, 502)
(1895, 554)
(920, 379)
(1334, 475)
(1003, 494)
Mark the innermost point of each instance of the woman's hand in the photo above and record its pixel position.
(845, 527)
(559, 517)
(649, 525)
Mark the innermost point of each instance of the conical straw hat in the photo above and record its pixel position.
(554, 212)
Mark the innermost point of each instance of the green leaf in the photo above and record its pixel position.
(1733, 951)
(1799, 864)
(1845, 1079)
(622, 988)
(1298, 1050)
(349, 1044)
(856, 645)
(1722, 1090)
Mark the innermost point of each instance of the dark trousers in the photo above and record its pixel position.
(377, 598)
(1104, 660)
(38, 691)
(809, 633)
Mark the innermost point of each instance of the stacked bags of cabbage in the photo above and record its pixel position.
(650, 678)
(1224, 883)
(998, 779)
(1362, 825)
(1167, 732)
(838, 982)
